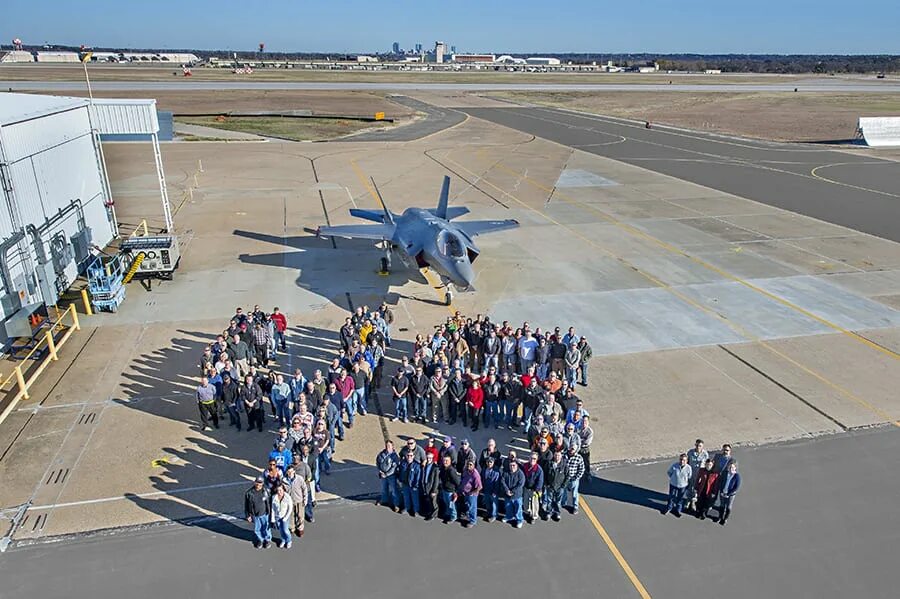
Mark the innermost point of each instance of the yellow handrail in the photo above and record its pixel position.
(53, 346)
(141, 225)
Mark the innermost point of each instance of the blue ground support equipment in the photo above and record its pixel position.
(105, 285)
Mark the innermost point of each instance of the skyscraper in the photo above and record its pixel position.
(452, 49)
(418, 48)
(396, 48)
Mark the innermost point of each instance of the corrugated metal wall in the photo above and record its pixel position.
(124, 117)
(36, 135)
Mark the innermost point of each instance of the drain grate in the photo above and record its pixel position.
(37, 523)
(89, 418)
(57, 477)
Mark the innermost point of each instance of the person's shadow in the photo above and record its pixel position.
(624, 493)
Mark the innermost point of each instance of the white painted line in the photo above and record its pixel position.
(179, 491)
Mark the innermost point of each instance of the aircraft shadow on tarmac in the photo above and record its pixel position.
(332, 270)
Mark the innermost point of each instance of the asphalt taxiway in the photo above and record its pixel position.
(813, 519)
(859, 192)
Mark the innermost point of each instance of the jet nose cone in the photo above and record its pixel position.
(465, 274)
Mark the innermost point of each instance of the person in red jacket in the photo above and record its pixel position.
(280, 321)
(475, 403)
(706, 486)
(431, 447)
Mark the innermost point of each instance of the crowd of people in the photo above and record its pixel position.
(237, 381)
(451, 483)
(472, 371)
(698, 482)
(481, 373)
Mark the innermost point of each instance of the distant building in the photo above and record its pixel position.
(472, 58)
(363, 58)
(57, 57)
(396, 48)
(452, 49)
(537, 60)
(713, 71)
(418, 48)
(439, 49)
(507, 59)
(173, 57)
(609, 67)
(17, 56)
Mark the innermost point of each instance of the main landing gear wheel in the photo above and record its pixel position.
(448, 295)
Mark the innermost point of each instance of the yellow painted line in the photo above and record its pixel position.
(699, 261)
(737, 327)
(362, 178)
(623, 563)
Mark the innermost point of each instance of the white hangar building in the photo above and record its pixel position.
(56, 206)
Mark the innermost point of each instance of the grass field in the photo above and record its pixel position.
(818, 116)
(344, 103)
(306, 129)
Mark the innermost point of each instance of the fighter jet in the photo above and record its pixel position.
(426, 236)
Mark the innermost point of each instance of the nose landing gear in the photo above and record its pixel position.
(386, 259)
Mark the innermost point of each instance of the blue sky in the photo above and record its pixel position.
(701, 26)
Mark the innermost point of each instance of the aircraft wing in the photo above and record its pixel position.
(480, 227)
(377, 232)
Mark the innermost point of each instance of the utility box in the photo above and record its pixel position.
(81, 245)
(46, 277)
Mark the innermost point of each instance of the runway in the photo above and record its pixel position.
(858, 192)
(191, 85)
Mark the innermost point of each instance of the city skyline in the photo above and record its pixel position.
(703, 27)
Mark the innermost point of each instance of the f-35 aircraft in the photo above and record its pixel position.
(425, 235)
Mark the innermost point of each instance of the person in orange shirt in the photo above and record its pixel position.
(553, 384)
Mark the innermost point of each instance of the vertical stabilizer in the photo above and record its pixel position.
(441, 211)
(388, 216)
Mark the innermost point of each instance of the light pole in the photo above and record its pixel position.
(86, 59)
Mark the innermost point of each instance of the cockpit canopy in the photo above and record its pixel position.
(450, 245)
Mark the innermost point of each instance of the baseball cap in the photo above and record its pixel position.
(259, 479)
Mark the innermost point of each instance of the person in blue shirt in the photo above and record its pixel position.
(729, 485)
(512, 484)
(409, 477)
(282, 456)
(281, 400)
(297, 385)
(490, 480)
